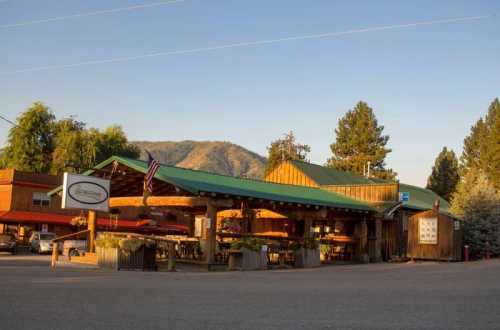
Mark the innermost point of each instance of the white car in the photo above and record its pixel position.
(42, 242)
(74, 247)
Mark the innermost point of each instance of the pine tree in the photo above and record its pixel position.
(30, 143)
(359, 140)
(444, 177)
(477, 202)
(482, 146)
(491, 149)
(285, 148)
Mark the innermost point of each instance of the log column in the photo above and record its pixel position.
(91, 220)
(191, 220)
(378, 240)
(211, 232)
(362, 234)
(307, 227)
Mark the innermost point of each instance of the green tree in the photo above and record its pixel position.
(359, 140)
(74, 149)
(477, 202)
(286, 148)
(39, 143)
(112, 142)
(30, 143)
(482, 146)
(491, 150)
(444, 177)
(79, 149)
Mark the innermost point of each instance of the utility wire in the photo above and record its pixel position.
(251, 43)
(9, 121)
(92, 13)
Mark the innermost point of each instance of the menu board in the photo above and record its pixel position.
(198, 226)
(428, 230)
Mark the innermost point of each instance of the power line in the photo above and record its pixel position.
(7, 120)
(252, 43)
(92, 13)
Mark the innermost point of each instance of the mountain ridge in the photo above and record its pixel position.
(220, 157)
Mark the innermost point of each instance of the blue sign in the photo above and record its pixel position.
(404, 196)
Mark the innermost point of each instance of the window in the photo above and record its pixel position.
(41, 199)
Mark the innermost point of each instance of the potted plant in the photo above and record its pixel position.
(125, 253)
(307, 253)
(252, 254)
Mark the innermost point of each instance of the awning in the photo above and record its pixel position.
(62, 219)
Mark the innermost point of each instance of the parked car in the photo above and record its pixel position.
(8, 243)
(74, 247)
(42, 242)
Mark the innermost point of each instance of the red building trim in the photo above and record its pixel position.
(60, 219)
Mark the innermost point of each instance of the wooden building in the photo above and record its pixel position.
(278, 213)
(388, 228)
(434, 236)
(25, 207)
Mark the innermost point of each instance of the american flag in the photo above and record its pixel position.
(153, 167)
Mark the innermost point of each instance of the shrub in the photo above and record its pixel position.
(251, 243)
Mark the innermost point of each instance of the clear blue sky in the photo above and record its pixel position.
(427, 85)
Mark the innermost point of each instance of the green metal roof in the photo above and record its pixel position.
(196, 182)
(325, 176)
(420, 198)
(423, 199)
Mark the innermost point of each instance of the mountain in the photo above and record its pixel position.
(211, 156)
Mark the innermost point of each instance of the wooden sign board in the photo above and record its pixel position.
(199, 224)
(428, 230)
(85, 192)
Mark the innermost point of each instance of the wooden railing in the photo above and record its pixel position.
(55, 248)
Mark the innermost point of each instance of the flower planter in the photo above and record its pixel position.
(248, 260)
(307, 258)
(117, 259)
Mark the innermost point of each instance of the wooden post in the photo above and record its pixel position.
(91, 222)
(55, 255)
(211, 232)
(362, 233)
(307, 227)
(171, 257)
(378, 240)
(191, 225)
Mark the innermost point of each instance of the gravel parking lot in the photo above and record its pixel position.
(377, 296)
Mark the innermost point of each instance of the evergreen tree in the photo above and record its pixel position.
(491, 149)
(283, 149)
(482, 146)
(473, 145)
(30, 143)
(359, 140)
(477, 202)
(444, 177)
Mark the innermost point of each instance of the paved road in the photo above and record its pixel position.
(382, 296)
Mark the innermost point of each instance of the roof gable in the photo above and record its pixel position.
(423, 199)
(420, 198)
(325, 176)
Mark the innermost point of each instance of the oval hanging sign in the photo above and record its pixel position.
(87, 192)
